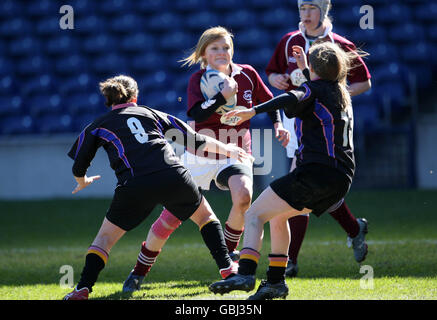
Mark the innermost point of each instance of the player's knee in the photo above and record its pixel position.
(243, 199)
(164, 226)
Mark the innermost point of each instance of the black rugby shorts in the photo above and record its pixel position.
(314, 186)
(133, 202)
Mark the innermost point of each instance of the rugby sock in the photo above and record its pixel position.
(276, 270)
(248, 261)
(212, 234)
(346, 219)
(145, 261)
(298, 227)
(232, 237)
(95, 261)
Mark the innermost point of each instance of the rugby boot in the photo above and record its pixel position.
(81, 294)
(236, 282)
(268, 291)
(132, 283)
(291, 269)
(358, 243)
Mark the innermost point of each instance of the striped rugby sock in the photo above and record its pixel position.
(145, 260)
(232, 237)
(248, 261)
(95, 261)
(276, 270)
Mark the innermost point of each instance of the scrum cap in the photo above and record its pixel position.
(323, 5)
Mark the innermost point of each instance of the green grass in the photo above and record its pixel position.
(38, 237)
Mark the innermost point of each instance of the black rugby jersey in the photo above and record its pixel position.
(135, 139)
(324, 130)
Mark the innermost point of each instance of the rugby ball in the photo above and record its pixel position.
(210, 84)
(232, 121)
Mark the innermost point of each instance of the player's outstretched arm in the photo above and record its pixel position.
(83, 182)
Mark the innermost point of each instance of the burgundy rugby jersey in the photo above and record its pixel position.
(251, 91)
(283, 61)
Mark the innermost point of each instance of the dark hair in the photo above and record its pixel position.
(118, 90)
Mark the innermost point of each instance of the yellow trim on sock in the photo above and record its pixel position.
(101, 255)
(211, 220)
(250, 257)
(278, 264)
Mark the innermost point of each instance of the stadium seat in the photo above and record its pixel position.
(41, 8)
(41, 83)
(6, 66)
(10, 8)
(278, 17)
(98, 43)
(147, 62)
(17, 125)
(8, 84)
(225, 5)
(90, 24)
(251, 38)
(15, 27)
(33, 65)
(48, 26)
(426, 12)
(416, 52)
(78, 83)
(188, 6)
(114, 7)
(42, 103)
(261, 5)
(164, 22)
(84, 7)
(80, 121)
(382, 52)
(393, 13)
(64, 44)
(240, 19)
(10, 105)
(89, 102)
(110, 64)
(259, 59)
(59, 123)
(175, 41)
(432, 33)
(201, 20)
(71, 64)
(127, 22)
(138, 42)
(23, 46)
(366, 37)
(404, 32)
(347, 16)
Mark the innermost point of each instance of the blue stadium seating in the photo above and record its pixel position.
(51, 72)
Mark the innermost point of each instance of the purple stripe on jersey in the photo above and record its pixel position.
(307, 92)
(110, 136)
(173, 121)
(327, 121)
(299, 133)
(79, 143)
(160, 128)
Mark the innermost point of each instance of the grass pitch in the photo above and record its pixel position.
(38, 238)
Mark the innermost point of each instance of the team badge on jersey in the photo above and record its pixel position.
(297, 77)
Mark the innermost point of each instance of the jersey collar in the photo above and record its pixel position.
(327, 33)
(235, 69)
(124, 105)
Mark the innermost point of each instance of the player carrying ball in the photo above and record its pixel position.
(214, 51)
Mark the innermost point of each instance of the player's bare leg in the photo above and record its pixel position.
(267, 206)
(96, 259)
(241, 193)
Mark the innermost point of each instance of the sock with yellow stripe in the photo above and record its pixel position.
(95, 261)
(212, 234)
(276, 270)
(248, 261)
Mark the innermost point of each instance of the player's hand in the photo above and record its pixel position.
(83, 182)
(230, 87)
(279, 81)
(300, 56)
(282, 134)
(238, 153)
(244, 115)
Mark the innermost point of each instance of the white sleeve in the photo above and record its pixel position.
(292, 145)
